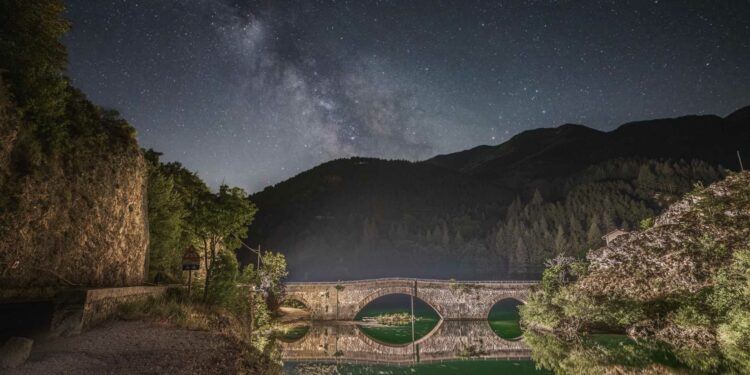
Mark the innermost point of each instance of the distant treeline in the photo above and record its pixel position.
(618, 194)
(366, 217)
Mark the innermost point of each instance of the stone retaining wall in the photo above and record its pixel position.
(77, 310)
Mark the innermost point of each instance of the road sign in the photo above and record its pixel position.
(191, 261)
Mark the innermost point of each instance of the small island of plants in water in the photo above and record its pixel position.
(392, 319)
(388, 319)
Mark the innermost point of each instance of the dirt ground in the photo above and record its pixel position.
(291, 314)
(133, 347)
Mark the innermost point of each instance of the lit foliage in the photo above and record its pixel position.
(707, 331)
(222, 287)
(218, 221)
(167, 213)
(273, 269)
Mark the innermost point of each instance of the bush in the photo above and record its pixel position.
(734, 340)
(222, 286)
(646, 223)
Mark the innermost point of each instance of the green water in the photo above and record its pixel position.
(295, 333)
(621, 348)
(488, 367)
(426, 320)
(504, 320)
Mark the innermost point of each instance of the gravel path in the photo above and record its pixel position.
(132, 348)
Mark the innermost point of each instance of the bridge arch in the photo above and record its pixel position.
(299, 298)
(287, 299)
(500, 298)
(506, 325)
(390, 291)
(305, 331)
(375, 342)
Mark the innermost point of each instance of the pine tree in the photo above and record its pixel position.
(594, 234)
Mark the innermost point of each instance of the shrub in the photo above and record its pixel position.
(222, 287)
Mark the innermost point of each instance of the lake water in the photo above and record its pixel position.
(493, 346)
(441, 347)
(477, 367)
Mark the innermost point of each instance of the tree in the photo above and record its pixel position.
(594, 234)
(222, 289)
(166, 214)
(173, 192)
(32, 62)
(272, 270)
(267, 282)
(218, 221)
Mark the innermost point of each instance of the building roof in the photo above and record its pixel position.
(613, 234)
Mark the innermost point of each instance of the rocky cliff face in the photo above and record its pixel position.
(681, 252)
(76, 219)
(8, 134)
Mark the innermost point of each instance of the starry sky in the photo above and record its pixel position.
(250, 93)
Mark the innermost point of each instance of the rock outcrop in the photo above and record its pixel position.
(15, 352)
(680, 254)
(76, 219)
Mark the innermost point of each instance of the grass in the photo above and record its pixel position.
(257, 350)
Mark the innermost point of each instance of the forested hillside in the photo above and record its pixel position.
(493, 211)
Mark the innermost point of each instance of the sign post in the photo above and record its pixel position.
(191, 261)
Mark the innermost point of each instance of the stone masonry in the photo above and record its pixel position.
(453, 300)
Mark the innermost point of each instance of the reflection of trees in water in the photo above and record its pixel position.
(449, 341)
(316, 369)
(600, 354)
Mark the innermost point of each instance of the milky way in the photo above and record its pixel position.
(251, 93)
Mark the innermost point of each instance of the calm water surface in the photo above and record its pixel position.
(503, 320)
(477, 367)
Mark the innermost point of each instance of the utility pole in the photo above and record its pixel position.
(252, 287)
(740, 159)
(413, 341)
(190, 281)
(252, 309)
(256, 251)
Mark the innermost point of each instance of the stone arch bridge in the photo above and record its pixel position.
(453, 300)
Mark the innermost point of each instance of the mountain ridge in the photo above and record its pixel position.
(455, 215)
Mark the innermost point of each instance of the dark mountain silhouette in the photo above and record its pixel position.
(491, 211)
(538, 159)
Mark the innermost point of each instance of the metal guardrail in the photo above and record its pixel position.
(519, 282)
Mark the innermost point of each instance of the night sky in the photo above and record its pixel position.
(251, 93)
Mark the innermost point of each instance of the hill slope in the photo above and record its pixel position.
(537, 159)
(457, 215)
(345, 216)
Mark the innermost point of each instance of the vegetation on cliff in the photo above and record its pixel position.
(71, 173)
(683, 282)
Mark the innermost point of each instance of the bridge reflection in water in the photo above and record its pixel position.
(450, 340)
